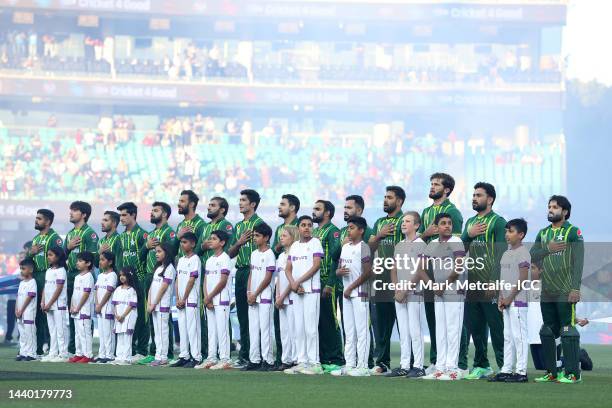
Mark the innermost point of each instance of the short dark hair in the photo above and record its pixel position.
(130, 207)
(222, 235)
(440, 216)
(263, 229)
(293, 200)
(488, 188)
(164, 207)
(253, 196)
(86, 256)
(113, 216)
(83, 207)
(447, 181)
(359, 222)
(328, 206)
(109, 256)
(304, 217)
(48, 214)
(357, 199)
(190, 236)
(398, 191)
(519, 224)
(222, 204)
(562, 202)
(192, 197)
(27, 263)
(415, 215)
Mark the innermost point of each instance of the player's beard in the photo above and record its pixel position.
(346, 217)
(478, 207)
(105, 229)
(389, 208)
(435, 196)
(316, 219)
(212, 215)
(554, 217)
(282, 215)
(182, 210)
(38, 227)
(155, 220)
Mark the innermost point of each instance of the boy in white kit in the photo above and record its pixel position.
(54, 302)
(446, 255)
(409, 306)
(259, 297)
(25, 312)
(355, 269)
(125, 302)
(82, 308)
(188, 303)
(303, 264)
(284, 300)
(515, 264)
(217, 297)
(105, 286)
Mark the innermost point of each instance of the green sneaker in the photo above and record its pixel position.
(479, 373)
(146, 361)
(328, 368)
(569, 379)
(546, 378)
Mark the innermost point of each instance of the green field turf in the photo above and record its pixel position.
(137, 386)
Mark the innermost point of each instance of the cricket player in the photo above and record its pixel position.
(111, 241)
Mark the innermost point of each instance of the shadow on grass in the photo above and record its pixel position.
(29, 376)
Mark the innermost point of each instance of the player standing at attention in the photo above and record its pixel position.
(515, 263)
(105, 286)
(302, 270)
(188, 303)
(242, 248)
(409, 308)
(388, 233)
(79, 239)
(82, 307)
(54, 302)
(330, 338)
(25, 312)
(159, 297)
(217, 295)
(441, 187)
(449, 298)
(287, 210)
(355, 269)
(111, 241)
(133, 240)
(284, 302)
(125, 303)
(484, 237)
(353, 207)
(560, 249)
(46, 238)
(162, 233)
(260, 290)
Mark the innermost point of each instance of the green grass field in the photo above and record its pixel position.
(136, 386)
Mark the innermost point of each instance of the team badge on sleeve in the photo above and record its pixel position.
(93, 235)
(228, 227)
(172, 234)
(336, 234)
(145, 235)
(58, 242)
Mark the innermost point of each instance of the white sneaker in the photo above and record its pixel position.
(59, 359)
(341, 371)
(222, 365)
(359, 372)
(121, 362)
(462, 373)
(434, 376)
(450, 376)
(297, 369)
(47, 358)
(431, 369)
(314, 369)
(206, 364)
(137, 357)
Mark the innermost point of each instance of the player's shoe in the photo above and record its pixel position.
(341, 371)
(191, 363)
(85, 360)
(206, 364)
(546, 378)
(47, 358)
(19, 358)
(517, 378)
(58, 359)
(122, 362)
(431, 369)
(569, 379)
(158, 363)
(29, 358)
(222, 365)
(240, 364)
(359, 372)
(379, 369)
(433, 376)
(397, 373)
(314, 369)
(479, 373)
(265, 367)
(179, 363)
(328, 368)
(251, 367)
(296, 369)
(450, 376)
(74, 359)
(499, 377)
(146, 360)
(416, 373)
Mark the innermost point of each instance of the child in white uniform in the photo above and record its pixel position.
(125, 303)
(25, 312)
(82, 307)
(54, 302)
(105, 286)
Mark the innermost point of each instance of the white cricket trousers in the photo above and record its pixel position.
(287, 331)
(124, 346)
(356, 321)
(190, 332)
(58, 333)
(449, 322)
(106, 324)
(218, 333)
(410, 317)
(83, 340)
(260, 333)
(160, 326)
(306, 310)
(27, 337)
(516, 340)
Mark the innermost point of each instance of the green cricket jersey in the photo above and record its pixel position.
(164, 234)
(132, 243)
(223, 225)
(198, 224)
(329, 235)
(366, 235)
(277, 234)
(244, 253)
(49, 240)
(386, 247)
(89, 242)
(488, 247)
(429, 215)
(561, 271)
(114, 243)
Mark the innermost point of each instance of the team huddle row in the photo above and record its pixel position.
(289, 282)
